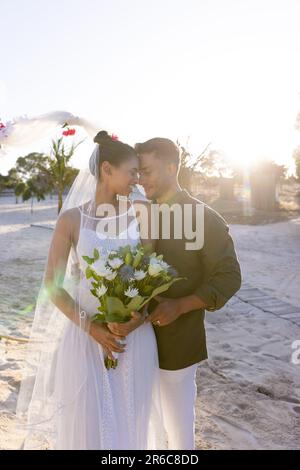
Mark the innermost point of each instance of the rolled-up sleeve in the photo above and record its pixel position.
(222, 274)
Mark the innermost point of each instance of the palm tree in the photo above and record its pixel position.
(41, 174)
(60, 173)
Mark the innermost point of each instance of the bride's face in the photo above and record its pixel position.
(124, 176)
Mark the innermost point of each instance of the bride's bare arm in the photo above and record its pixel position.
(56, 268)
(54, 277)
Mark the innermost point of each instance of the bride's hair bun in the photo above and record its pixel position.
(109, 149)
(102, 137)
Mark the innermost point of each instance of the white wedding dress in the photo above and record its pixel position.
(99, 408)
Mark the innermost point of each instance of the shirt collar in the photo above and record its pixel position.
(175, 198)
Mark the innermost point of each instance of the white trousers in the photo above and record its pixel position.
(178, 390)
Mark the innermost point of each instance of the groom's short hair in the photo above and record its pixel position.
(163, 149)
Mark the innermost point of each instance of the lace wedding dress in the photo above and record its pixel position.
(99, 408)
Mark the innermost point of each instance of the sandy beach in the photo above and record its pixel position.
(248, 390)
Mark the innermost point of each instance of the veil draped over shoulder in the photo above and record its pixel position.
(37, 406)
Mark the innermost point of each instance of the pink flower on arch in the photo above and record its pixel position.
(114, 137)
(2, 126)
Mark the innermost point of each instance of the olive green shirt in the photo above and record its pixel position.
(212, 272)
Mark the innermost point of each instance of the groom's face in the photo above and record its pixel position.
(154, 175)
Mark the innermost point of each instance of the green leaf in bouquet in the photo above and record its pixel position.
(118, 312)
(94, 292)
(115, 306)
(96, 254)
(139, 246)
(99, 318)
(135, 303)
(165, 276)
(110, 363)
(128, 258)
(88, 259)
(123, 250)
(147, 290)
(137, 259)
(161, 289)
(88, 272)
(95, 275)
(117, 318)
(101, 309)
(119, 290)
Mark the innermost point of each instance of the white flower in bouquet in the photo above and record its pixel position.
(101, 268)
(111, 275)
(115, 263)
(139, 274)
(164, 265)
(101, 290)
(131, 292)
(156, 266)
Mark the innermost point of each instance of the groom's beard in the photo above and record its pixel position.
(152, 193)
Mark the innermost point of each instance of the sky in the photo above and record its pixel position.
(220, 71)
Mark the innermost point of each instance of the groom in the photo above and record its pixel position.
(212, 275)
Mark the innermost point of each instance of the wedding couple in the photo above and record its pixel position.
(70, 399)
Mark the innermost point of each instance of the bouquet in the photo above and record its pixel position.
(126, 280)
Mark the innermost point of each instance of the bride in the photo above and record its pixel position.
(68, 399)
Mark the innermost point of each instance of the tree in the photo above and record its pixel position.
(186, 170)
(296, 156)
(188, 166)
(60, 173)
(212, 162)
(12, 179)
(42, 174)
(3, 182)
(296, 153)
(33, 187)
(264, 179)
(33, 179)
(270, 167)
